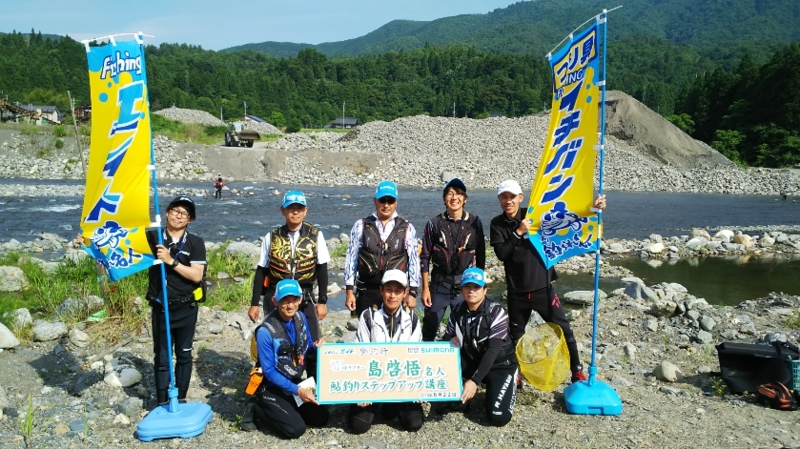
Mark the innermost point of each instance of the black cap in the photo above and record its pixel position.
(184, 201)
(455, 182)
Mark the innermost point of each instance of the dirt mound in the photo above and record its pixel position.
(654, 137)
(190, 116)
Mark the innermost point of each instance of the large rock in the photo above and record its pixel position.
(79, 307)
(78, 338)
(697, 243)
(668, 372)
(663, 308)
(638, 290)
(707, 323)
(724, 235)
(654, 248)
(743, 239)
(701, 233)
(47, 331)
(582, 297)
(123, 378)
(21, 318)
(7, 338)
(12, 279)
(244, 248)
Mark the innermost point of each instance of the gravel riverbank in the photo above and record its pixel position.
(655, 352)
(644, 152)
(656, 348)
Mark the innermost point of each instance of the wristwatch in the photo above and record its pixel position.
(175, 262)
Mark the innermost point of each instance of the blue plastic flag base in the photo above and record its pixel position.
(189, 420)
(592, 397)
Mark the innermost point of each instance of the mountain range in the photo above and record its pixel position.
(535, 27)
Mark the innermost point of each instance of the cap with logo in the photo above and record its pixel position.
(395, 276)
(185, 202)
(287, 287)
(473, 275)
(294, 197)
(386, 188)
(510, 186)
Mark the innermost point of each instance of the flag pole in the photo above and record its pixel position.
(189, 419)
(602, 149)
(592, 396)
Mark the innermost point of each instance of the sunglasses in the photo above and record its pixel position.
(387, 200)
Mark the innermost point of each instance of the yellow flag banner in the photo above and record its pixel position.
(562, 224)
(116, 208)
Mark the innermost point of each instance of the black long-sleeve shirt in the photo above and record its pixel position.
(525, 271)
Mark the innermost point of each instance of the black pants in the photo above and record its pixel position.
(218, 192)
(410, 414)
(367, 298)
(520, 306)
(501, 394)
(443, 294)
(182, 322)
(280, 412)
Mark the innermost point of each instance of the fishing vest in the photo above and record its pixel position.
(289, 358)
(452, 254)
(377, 256)
(475, 332)
(302, 266)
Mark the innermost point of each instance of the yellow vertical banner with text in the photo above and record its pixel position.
(116, 208)
(562, 223)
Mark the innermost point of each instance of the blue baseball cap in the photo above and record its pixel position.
(473, 275)
(294, 197)
(386, 188)
(287, 287)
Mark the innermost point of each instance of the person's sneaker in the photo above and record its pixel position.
(578, 376)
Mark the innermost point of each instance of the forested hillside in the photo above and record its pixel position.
(535, 27)
(743, 101)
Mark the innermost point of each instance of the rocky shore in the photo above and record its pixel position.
(656, 348)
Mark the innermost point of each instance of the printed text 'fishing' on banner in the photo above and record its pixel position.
(562, 224)
(116, 208)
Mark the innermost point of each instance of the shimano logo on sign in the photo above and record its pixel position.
(113, 66)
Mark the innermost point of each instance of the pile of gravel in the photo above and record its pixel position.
(263, 128)
(190, 116)
(423, 151)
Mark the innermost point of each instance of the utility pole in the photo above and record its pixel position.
(454, 109)
(77, 132)
(220, 114)
(245, 111)
(343, 102)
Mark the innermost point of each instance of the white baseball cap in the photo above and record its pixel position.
(509, 185)
(395, 276)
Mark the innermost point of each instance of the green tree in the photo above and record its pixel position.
(682, 121)
(277, 119)
(295, 125)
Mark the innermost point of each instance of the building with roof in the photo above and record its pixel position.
(340, 123)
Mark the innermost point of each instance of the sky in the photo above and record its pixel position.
(215, 24)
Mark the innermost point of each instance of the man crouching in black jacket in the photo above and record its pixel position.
(480, 328)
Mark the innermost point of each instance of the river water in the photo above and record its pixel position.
(334, 209)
